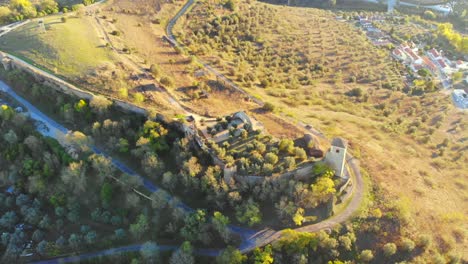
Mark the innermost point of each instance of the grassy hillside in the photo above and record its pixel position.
(68, 48)
(325, 73)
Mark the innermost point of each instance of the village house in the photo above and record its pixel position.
(434, 54)
(430, 65)
(399, 54)
(414, 58)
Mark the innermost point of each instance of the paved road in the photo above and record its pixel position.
(7, 28)
(49, 127)
(250, 238)
(267, 236)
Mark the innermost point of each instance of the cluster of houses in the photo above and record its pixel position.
(432, 60)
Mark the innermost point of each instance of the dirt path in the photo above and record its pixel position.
(265, 237)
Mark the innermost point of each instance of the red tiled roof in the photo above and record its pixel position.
(429, 63)
(412, 54)
(434, 53)
(441, 63)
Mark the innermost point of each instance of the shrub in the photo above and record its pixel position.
(154, 69)
(300, 154)
(424, 241)
(271, 158)
(63, 19)
(269, 107)
(366, 255)
(389, 249)
(356, 92)
(167, 81)
(139, 98)
(77, 7)
(115, 33)
(407, 245)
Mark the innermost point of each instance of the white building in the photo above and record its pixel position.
(461, 65)
(461, 98)
(336, 157)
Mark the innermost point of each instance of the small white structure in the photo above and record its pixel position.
(461, 65)
(461, 98)
(336, 156)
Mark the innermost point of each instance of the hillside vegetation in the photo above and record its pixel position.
(324, 72)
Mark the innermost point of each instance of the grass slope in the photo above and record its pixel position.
(69, 48)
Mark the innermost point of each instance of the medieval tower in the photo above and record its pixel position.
(336, 156)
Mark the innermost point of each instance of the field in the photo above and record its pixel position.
(411, 146)
(78, 50)
(68, 49)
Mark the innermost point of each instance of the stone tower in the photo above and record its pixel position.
(336, 156)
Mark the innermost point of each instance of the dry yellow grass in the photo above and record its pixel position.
(405, 164)
(402, 164)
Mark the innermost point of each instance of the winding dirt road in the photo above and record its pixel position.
(251, 239)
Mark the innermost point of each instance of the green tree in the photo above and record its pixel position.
(123, 145)
(366, 255)
(195, 226)
(298, 217)
(81, 106)
(231, 255)
(300, 154)
(286, 146)
(263, 256)
(231, 5)
(323, 189)
(389, 249)
(271, 158)
(220, 224)
(183, 255)
(150, 253)
(23, 7)
(167, 81)
(100, 104)
(42, 247)
(140, 227)
(106, 193)
(249, 213)
(5, 14)
(48, 6)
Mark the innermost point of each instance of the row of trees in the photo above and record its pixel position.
(22, 9)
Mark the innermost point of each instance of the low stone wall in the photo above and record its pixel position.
(11, 62)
